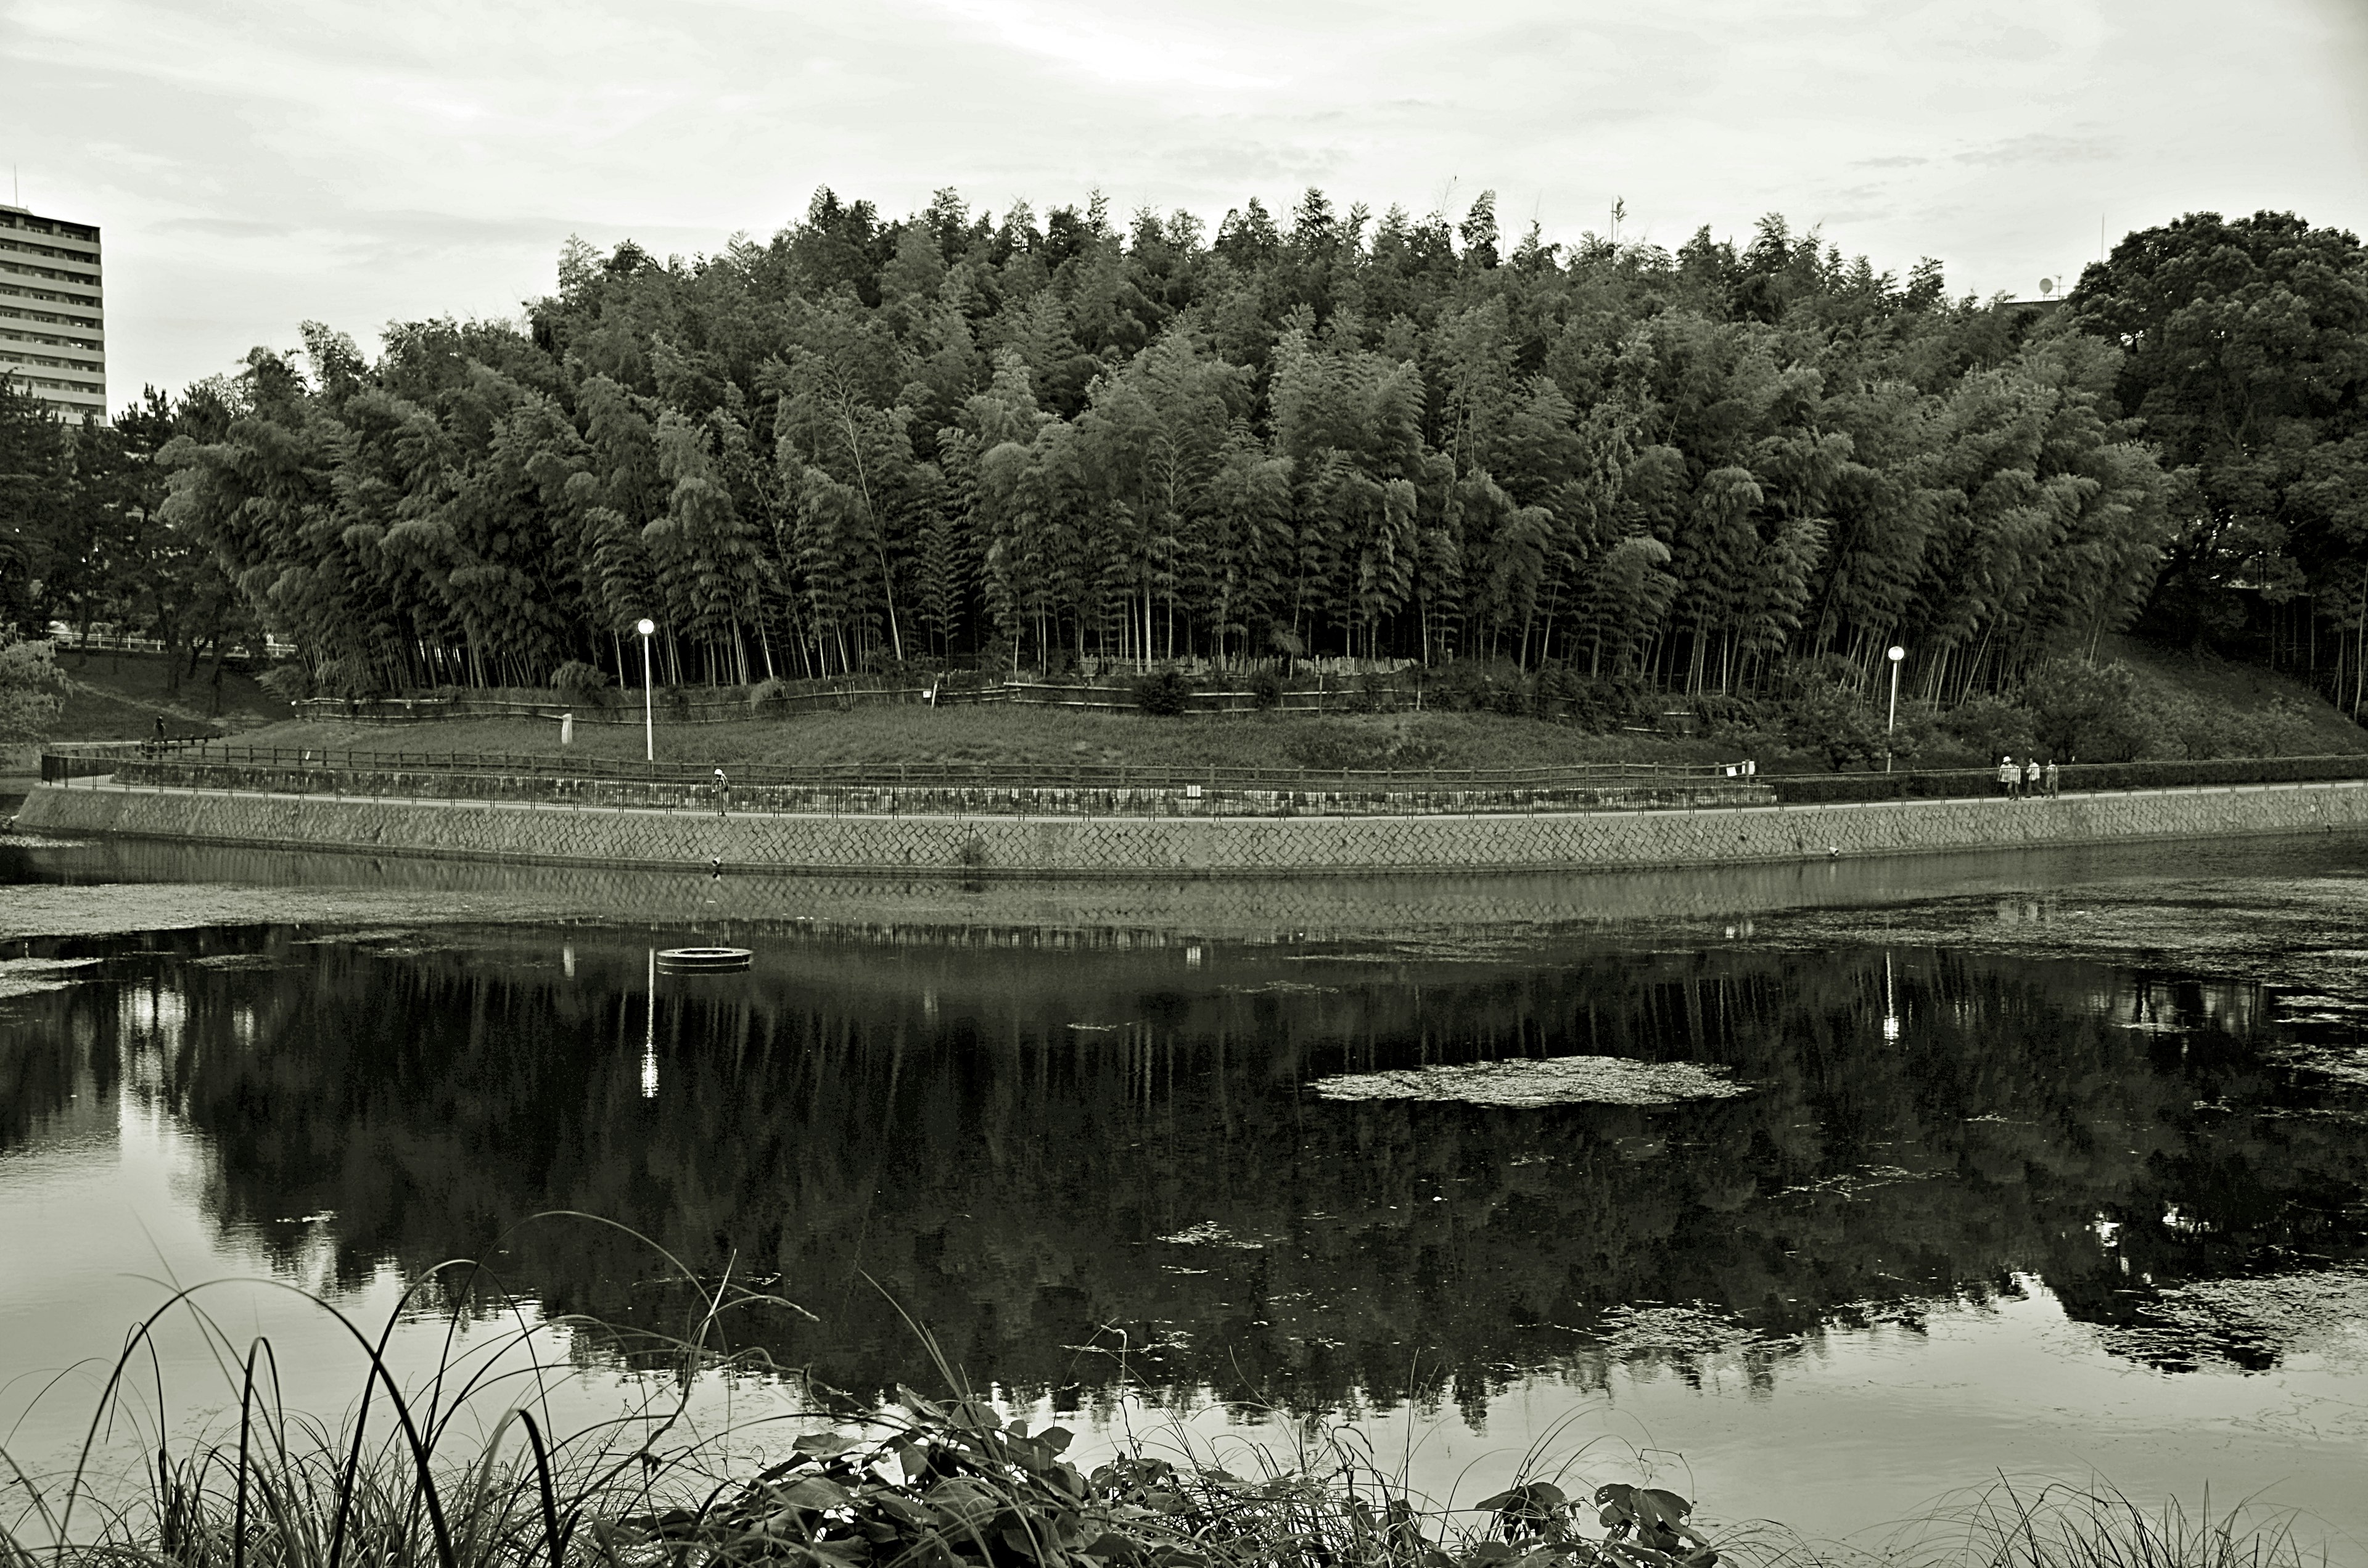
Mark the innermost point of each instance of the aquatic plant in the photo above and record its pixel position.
(908, 1481)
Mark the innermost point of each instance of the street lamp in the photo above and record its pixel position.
(1896, 655)
(649, 722)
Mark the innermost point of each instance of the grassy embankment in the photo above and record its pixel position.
(120, 697)
(2191, 706)
(1041, 737)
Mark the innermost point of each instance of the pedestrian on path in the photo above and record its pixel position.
(2009, 775)
(2055, 783)
(723, 792)
(2031, 779)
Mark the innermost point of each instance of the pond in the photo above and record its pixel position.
(1819, 1199)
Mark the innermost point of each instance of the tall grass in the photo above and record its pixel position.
(464, 1469)
(2056, 1525)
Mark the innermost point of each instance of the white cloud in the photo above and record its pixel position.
(261, 163)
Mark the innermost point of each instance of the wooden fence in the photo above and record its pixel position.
(674, 706)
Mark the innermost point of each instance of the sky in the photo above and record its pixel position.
(259, 163)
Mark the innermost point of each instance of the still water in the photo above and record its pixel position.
(2057, 1173)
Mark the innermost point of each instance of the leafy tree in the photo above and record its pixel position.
(872, 439)
(31, 690)
(2244, 351)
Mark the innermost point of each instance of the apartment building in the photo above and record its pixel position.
(52, 321)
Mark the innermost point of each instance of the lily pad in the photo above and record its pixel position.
(22, 977)
(1530, 1083)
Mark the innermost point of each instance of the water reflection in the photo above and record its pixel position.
(1090, 1162)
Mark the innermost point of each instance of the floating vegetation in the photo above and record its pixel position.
(1689, 1332)
(2345, 1064)
(345, 938)
(1854, 1183)
(2252, 1321)
(22, 977)
(1533, 1082)
(236, 960)
(1209, 1233)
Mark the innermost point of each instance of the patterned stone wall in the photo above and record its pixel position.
(1125, 846)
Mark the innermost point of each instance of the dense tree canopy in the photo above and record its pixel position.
(1025, 444)
(81, 535)
(2246, 353)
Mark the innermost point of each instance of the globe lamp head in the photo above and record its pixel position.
(645, 626)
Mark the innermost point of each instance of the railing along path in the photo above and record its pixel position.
(1086, 789)
(957, 789)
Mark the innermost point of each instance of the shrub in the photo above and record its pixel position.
(1265, 690)
(31, 688)
(291, 680)
(1991, 727)
(770, 698)
(1720, 712)
(1459, 686)
(1614, 702)
(2089, 710)
(1162, 692)
(579, 683)
(1829, 719)
(1510, 698)
(351, 678)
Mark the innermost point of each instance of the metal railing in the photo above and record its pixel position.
(918, 789)
(2079, 778)
(610, 705)
(1088, 787)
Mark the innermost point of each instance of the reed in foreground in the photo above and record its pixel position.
(907, 1483)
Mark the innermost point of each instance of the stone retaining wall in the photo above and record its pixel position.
(1319, 799)
(1124, 846)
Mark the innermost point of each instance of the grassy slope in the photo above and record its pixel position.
(117, 697)
(2298, 719)
(120, 697)
(1044, 737)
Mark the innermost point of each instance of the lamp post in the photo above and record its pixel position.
(1895, 654)
(649, 720)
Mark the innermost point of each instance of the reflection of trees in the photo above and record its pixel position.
(999, 1136)
(49, 1070)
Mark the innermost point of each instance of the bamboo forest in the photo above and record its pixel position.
(966, 439)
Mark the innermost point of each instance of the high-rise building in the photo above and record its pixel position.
(52, 321)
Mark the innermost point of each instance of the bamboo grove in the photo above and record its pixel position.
(969, 438)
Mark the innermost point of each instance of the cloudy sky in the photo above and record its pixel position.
(255, 162)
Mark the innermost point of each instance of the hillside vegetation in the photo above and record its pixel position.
(1727, 475)
(2139, 702)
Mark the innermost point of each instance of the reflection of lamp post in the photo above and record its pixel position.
(1896, 655)
(649, 724)
(650, 1028)
(1890, 1004)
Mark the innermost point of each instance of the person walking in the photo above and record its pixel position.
(2055, 781)
(2007, 775)
(2031, 779)
(723, 792)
